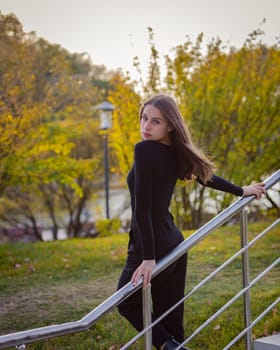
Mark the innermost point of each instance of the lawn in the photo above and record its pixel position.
(48, 283)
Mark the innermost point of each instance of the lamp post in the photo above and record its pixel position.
(106, 109)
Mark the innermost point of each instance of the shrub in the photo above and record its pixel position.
(107, 227)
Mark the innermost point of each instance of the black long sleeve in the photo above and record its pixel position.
(151, 183)
(218, 183)
(143, 167)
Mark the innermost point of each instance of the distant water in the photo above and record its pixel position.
(119, 204)
(95, 210)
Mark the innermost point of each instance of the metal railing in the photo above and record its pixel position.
(20, 339)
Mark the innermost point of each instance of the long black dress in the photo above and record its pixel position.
(153, 234)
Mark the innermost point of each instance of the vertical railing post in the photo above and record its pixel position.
(147, 316)
(246, 277)
(106, 177)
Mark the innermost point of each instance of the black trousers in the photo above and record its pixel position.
(167, 288)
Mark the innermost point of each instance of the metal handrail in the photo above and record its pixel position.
(231, 301)
(24, 337)
(202, 283)
(256, 320)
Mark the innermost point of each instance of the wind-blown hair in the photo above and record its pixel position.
(192, 161)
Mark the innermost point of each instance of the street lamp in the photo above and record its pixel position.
(106, 108)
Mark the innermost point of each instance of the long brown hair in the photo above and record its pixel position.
(192, 161)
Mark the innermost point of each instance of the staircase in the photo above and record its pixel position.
(268, 343)
(20, 339)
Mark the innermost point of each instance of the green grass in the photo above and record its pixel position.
(55, 282)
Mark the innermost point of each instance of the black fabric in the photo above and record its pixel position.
(151, 183)
(153, 234)
(167, 288)
(218, 183)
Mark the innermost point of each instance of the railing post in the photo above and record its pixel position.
(246, 277)
(147, 316)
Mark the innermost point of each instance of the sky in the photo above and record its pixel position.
(112, 32)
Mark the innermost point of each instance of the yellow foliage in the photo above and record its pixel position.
(125, 131)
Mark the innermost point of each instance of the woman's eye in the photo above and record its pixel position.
(156, 122)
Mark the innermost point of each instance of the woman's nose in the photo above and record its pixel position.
(147, 125)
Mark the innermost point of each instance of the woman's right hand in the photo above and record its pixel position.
(145, 270)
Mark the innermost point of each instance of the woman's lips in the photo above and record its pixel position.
(145, 134)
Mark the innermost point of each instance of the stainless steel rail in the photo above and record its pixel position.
(203, 282)
(19, 339)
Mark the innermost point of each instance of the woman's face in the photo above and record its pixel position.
(154, 126)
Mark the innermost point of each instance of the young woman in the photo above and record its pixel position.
(165, 154)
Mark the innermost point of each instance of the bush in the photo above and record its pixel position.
(107, 227)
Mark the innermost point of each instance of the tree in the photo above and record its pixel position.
(46, 109)
(125, 131)
(229, 99)
(231, 103)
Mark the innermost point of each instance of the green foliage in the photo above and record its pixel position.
(47, 123)
(230, 100)
(46, 99)
(49, 135)
(153, 84)
(107, 227)
(231, 103)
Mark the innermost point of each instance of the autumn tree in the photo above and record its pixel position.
(230, 100)
(125, 131)
(46, 109)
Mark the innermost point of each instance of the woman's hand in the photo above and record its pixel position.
(145, 270)
(256, 189)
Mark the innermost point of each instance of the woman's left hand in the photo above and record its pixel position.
(145, 270)
(256, 189)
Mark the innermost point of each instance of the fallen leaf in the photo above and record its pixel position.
(32, 268)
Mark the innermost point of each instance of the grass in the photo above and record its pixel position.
(55, 282)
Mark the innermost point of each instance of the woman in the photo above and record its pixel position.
(165, 154)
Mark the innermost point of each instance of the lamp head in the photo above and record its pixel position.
(106, 108)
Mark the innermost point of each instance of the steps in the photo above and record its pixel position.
(268, 343)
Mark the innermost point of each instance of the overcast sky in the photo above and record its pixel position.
(114, 31)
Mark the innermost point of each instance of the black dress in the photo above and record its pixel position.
(153, 234)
